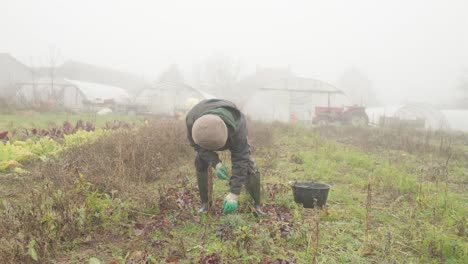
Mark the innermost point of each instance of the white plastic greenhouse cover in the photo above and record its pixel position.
(434, 119)
(99, 92)
(374, 113)
(457, 119)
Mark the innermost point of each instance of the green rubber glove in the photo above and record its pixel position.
(221, 172)
(230, 203)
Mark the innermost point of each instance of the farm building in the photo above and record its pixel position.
(170, 98)
(69, 94)
(262, 76)
(292, 98)
(12, 71)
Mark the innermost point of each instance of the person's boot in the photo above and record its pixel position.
(253, 187)
(203, 208)
(202, 181)
(258, 211)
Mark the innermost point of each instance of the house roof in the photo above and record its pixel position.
(13, 70)
(82, 71)
(7, 56)
(301, 85)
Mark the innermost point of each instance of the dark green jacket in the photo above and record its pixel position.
(237, 141)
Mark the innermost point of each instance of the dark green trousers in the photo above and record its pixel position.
(252, 180)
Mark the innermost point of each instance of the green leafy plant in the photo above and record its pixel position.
(32, 250)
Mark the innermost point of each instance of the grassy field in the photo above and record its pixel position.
(31, 119)
(397, 196)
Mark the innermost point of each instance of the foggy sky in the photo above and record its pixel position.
(411, 50)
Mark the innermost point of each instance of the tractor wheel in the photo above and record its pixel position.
(323, 122)
(358, 120)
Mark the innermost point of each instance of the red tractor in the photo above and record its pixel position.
(349, 115)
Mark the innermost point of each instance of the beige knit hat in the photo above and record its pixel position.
(210, 132)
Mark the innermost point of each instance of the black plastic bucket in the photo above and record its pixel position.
(309, 193)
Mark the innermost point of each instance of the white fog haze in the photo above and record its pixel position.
(233, 131)
(409, 51)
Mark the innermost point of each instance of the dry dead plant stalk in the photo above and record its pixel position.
(368, 210)
(311, 216)
(316, 238)
(368, 239)
(446, 174)
(182, 247)
(421, 195)
(131, 157)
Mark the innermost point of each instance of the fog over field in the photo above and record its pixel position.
(242, 131)
(410, 51)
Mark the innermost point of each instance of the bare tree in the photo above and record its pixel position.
(35, 100)
(358, 87)
(53, 60)
(42, 93)
(218, 75)
(172, 74)
(462, 101)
